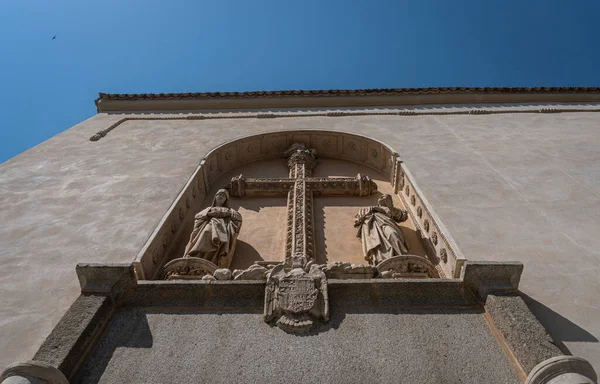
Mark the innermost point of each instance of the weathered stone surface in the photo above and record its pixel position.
(105, 278)
(215, 232)
(344, 270)
(223, 274)
(399, 292)
(255, 272)
(563, 370)
(296, 299)
(527, 338)
(32, 372)
(358, 346)
(379, 233)
(65, 347)
(484, 277)
(188, 268)
(209, 278)
(407, 266)
(241, 294)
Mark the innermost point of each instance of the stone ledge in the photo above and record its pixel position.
(342, 293)
(484, 277)
(197, 293)
(399, 292)
(528, 339)
(76, 332)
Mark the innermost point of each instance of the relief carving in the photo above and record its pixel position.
(296, 299)
(345, 270)
(407, 266)
(444, 255)
(188, 269)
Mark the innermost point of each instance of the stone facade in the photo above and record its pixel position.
(514, 183)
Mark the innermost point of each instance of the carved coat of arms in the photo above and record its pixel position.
(296, 298)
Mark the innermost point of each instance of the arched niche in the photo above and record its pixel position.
(263, 231)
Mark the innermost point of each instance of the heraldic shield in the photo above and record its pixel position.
(296, 298)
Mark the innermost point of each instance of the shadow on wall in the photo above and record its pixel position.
(245, 256)
(560, 328)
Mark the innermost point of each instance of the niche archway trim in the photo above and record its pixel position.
(172, 229)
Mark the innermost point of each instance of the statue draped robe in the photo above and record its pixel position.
(381, 237)
(214, 238)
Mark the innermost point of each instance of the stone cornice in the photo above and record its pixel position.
(341, 98)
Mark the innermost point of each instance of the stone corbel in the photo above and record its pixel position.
(110, 279)
(484, 277)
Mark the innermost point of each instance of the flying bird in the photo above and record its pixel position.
(54, 38)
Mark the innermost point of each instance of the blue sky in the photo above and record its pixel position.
(129, 46)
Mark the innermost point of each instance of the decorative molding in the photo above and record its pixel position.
(169, 233)
(99, 135)
(345, 92)
(441, 248)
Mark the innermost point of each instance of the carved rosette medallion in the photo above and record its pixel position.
(296, 299)
(444, 255)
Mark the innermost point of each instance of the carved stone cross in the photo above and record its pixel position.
(296, 291)
(300, 188)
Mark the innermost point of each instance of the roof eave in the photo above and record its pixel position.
(336, 99)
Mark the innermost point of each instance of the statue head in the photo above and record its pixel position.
(386, 201)
(221, 198)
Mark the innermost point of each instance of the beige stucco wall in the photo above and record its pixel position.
(508, 187)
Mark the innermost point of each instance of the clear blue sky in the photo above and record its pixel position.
(127, 46)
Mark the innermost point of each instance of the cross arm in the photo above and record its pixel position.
(360, 185)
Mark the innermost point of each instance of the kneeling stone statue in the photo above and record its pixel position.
(216, 229)
(379, 232)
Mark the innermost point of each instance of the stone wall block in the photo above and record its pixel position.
(73, 337)
(484, 277)
(105, 278)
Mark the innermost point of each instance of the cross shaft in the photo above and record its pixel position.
(300, 187)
